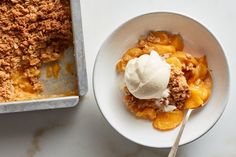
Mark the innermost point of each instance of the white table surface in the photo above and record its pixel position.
(82, 131)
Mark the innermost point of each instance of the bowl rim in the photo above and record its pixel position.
(175, 14)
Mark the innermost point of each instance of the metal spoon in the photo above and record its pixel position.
(174, 148)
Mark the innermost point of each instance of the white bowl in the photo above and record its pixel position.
(107, 86)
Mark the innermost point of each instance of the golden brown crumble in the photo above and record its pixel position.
(32, 32)
(179, 88)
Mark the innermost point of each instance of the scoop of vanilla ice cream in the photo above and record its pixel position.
(147, 77)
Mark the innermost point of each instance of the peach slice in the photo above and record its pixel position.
(168, 120)
(147, 113)
(177, 42)
(174, 61)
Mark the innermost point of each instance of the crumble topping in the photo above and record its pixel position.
(179, 89)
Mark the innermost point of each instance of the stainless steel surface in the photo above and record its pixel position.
(174, 148)
(52, 103)
(66, 82)
(79, 47)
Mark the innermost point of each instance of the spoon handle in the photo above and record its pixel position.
(174, 148)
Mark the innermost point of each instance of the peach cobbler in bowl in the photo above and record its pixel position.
(151, 70)
(161, 80)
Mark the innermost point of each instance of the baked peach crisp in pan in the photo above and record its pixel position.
(32, 33)
(162, 81)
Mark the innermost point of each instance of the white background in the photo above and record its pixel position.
(82, 131)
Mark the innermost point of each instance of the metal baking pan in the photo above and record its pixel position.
(65, 83)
